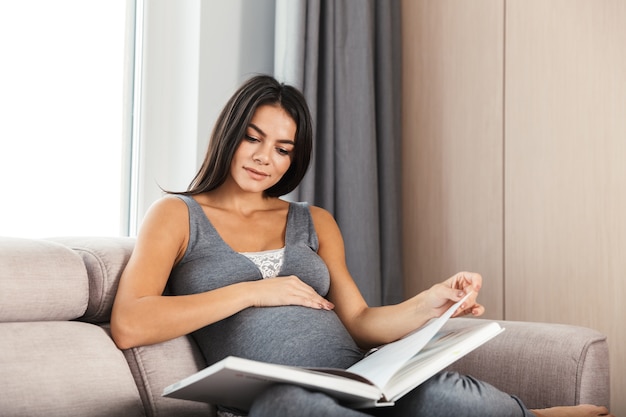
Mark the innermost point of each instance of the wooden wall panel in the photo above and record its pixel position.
(452, 156)
(565, 176)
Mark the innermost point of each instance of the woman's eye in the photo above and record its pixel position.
(283, 151)
(250, 138)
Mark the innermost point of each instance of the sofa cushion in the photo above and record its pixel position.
(64, 369)
(40, 280)
(105, 259)
(157, 366)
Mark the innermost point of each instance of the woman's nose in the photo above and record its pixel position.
(260, 158)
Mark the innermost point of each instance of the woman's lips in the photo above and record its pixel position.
(257, 175)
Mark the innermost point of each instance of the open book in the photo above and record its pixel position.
(381, 378)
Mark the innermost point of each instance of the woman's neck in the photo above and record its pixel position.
(243, 203)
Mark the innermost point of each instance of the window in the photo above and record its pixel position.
(62, 135)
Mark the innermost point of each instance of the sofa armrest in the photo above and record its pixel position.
(543, 364)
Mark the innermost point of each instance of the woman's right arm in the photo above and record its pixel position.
(141, 314)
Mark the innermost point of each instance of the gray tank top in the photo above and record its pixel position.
(290, 335)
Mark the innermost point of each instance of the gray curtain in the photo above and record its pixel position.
(345, 55)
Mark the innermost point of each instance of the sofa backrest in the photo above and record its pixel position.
(41, 281)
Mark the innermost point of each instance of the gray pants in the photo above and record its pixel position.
(446, 394)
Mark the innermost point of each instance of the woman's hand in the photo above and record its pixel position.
(441, 296)
(288, 290)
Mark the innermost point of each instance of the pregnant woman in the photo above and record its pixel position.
(251, 275)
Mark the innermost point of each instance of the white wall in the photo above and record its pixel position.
(195, 54)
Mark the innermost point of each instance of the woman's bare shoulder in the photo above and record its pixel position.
(168, 211)
(323, 220)
(321, 214)
(168, 204)
(164, 229)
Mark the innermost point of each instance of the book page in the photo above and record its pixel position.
(380, 366)
(444, 349)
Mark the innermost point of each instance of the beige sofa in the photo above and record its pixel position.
(57, 358)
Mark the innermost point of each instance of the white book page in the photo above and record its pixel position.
(380, 366)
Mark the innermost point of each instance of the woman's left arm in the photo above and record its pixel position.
(373, 326)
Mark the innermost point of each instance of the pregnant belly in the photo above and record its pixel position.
(289, 335)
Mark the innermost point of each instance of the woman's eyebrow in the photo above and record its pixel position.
(262, 133)
(258, 129)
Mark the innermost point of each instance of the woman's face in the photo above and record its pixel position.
(264, 154)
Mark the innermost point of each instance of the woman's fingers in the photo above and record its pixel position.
(290, 291)
(443, 295)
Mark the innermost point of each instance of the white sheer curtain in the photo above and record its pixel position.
(195, 54)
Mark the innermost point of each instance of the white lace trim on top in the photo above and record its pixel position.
(269, 262)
